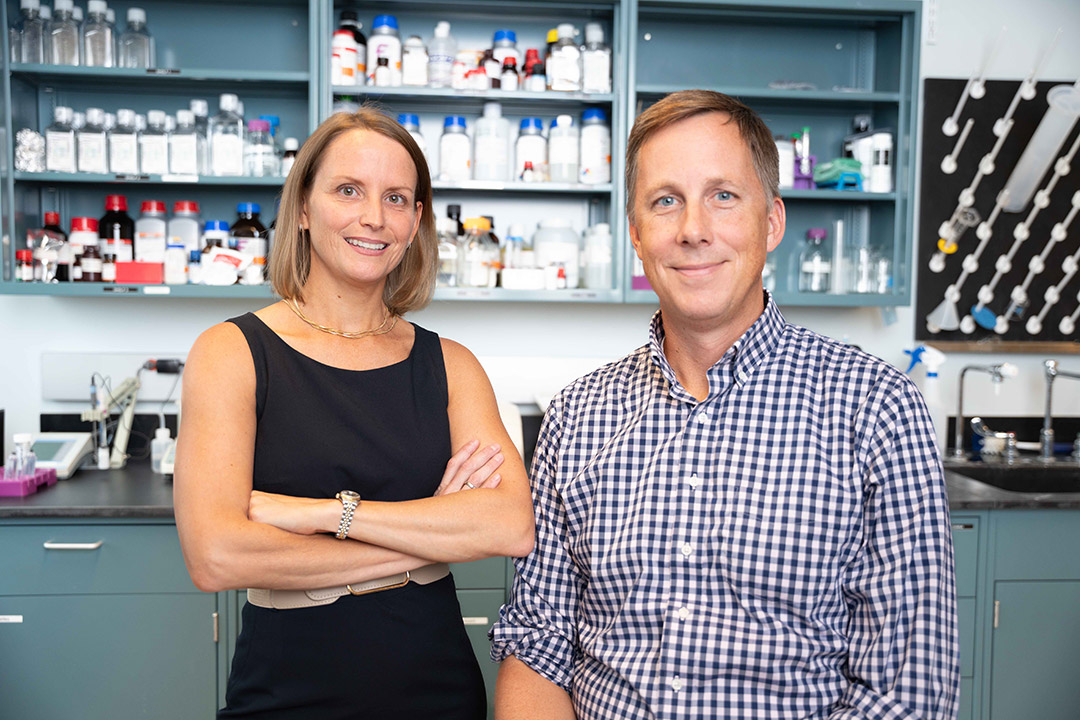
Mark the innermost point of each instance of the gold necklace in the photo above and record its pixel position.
(382, 329)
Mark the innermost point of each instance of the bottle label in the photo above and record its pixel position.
(123, 155)
(60, 152)
(454, 158)
(184, 154)
(532, 149)
(563, 151)
(491, 160)
(343, 66)
(108, 272)
(92, 153)
(149, 246)
(92, 266)
(596, 71)
(564, 71)
(440, 70)
(154, 154)
(227, 155)
(595, 155)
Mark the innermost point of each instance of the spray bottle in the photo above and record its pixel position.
(939, 412)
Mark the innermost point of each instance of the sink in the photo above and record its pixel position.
(1030, 476)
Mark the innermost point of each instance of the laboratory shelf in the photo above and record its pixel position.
(521, 187)
(832, 195)
(504, 295)
(110, 178)
(439, 95)
(87, 289)
(796, 299)
(757, 94)
(142, 78)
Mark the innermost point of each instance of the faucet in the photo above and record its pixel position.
(979, 427)
(1046, 435)
(997, 373)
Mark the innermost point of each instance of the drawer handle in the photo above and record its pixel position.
(475, 620)
(50, 545)
(963, 526)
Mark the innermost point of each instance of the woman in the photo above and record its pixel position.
(293, 411)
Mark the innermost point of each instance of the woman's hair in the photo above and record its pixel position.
(409, 285)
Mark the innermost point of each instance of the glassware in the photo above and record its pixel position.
(260, 155)
(98, 38)
(63, 34)
(136, 43)
(815, 264)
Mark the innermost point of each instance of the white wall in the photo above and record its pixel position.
(510, 337)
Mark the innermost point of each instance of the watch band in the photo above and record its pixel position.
(349, 501)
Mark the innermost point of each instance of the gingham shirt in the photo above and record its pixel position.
(781, 549)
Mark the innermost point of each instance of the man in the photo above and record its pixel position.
(741, 519)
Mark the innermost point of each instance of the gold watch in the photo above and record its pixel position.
(350, 500)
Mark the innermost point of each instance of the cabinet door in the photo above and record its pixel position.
(1036, 652)
(108, 656)
(479, 611)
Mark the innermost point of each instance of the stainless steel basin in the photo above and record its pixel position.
(1030, 476)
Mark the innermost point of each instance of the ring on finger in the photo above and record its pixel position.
(470, 485)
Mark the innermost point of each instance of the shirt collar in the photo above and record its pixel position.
(737, 364)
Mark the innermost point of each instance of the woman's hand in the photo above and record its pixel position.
(303, 516)
(471, 468)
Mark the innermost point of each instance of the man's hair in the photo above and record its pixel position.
(410, 285)
(690, 103)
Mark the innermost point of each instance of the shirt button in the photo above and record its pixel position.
(686, 549)
(703, 417)
(684, 613)
(676, 684)
(693, 481)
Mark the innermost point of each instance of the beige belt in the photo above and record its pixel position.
(290, 599)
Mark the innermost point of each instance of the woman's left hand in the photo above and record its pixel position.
(303, 516)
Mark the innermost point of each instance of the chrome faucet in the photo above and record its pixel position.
(980, 428)
(997, 373)
(1046, 435)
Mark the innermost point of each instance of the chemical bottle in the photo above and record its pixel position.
(260, 155)
(350, 21)
(532, 59)
(183, 227)
(159, 447)
(531, 150)
(52, 227)
(385, 43)
(289, 156)
(564, 65)
(150, 232)
(124, 144)
(411, 122)
(343, 58)
(110, 18)
(136, 43)
(509, 79)
(563, 149)
(597, 257)
(215, 234)
(250, 236)
(504, 46)
(478, 254)
(454, 213)
(84, 231)
(514, 247)
(595, 147)
(414, 62)
(557, 248)
(24, 266)
(492, 68)
(117, 232)
(185, 145)
(98, 41)
(442, 50)
(63, 35)
(32, 34)
(491, 142)
(93, 155)
(455, 151)
(91, 265)
(382, 72)
(595, 61)
(448, 252)
(60, 142)
(227, 138)
(535, 79)
(154, 145)
(176, 259)
(194, 267)
(815, 263)
(881, 163)
(200, 110)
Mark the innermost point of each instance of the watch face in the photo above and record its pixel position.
(349, 496)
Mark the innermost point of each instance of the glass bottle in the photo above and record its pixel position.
(124, 144)
(448, 252)
(815, 263)
(154, 145)
(63, 35)
(93, 156)
(478, 256)
(60, 141)
(227, 138)
(98, 42)
(564, 63)
(260, 155)
(32, 33)
(185, 145)
(201, 110)
(136, 44)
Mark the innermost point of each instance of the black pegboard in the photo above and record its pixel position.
(939, 197)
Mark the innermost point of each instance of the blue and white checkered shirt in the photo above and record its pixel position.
(781, 549)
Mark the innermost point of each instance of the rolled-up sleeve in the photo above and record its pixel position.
(537, 624)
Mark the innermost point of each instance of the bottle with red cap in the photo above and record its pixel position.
(183, 227)
(63, 260)
(24, 266)
(117, 231)
(86, 247)
(150, 232)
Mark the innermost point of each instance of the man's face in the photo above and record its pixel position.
(703, 223)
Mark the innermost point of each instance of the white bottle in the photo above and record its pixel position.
(60, 141)
(136, 46)
(491, 142)
(227, 138)
(564, 64)
(176, 259)
(563, 149)
(558, 248)
(185, 145)
(455, 151)
(441, 53)
(159, 447)
(289, 157)
(597, 257)
(531, 149)
(881, 163)
(385, 42)
(595, 148)
(343, 62)
(98, 42)
(63, 35)
(595, 61)
(150, 231)
(411, 122)
(504, 46)
(124, 144)
(183, 227)
(414, 62)
(154, 145)
(93, 149)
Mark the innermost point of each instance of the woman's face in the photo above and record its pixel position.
(361, 211)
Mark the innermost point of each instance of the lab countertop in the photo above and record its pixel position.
(968, 494)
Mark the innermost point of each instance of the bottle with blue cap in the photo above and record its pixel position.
(530, 152)
(215, 234)
(385, 42)
(504, 46)
(411, 122)
(595, 148)
(250, 236)
(455, 151)
(563, 150)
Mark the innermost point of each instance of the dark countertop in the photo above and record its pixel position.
(968, 494)
(133, 492)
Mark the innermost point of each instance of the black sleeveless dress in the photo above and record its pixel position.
(384, 433)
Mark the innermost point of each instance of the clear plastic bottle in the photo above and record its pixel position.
(227, 138)
(98, 40)
(595, 148)
(63, 35)
(124, 144)
(93, 146)
(441, 53)
(150, 230)
(385, 43)
(60, 141)
(136, 43)
(815, 263)
(564, 64)
(491, 145)
(154, 145)
(448, 252)
(260, 155)
(31, 33)
(159, 447)
(595, 61)
(201, 110)
(563, 150)
(455, 151)
(478, 256)
(186, 146)
(597, 257)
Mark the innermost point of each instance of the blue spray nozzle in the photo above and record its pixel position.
(916, 357)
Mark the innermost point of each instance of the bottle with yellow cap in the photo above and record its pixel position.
(478, 256)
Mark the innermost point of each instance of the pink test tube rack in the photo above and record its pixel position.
(43, 477)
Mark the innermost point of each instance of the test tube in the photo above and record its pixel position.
(1042, 149)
